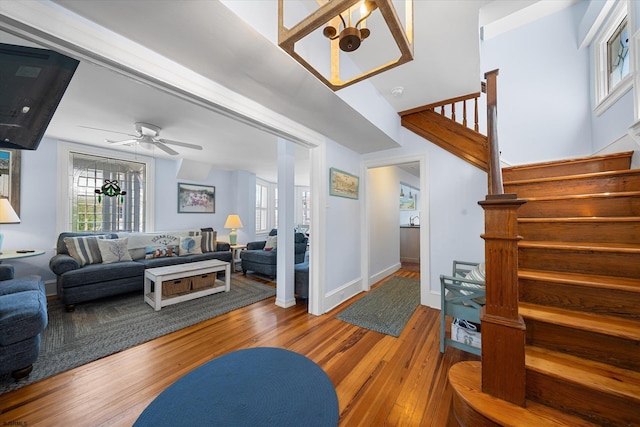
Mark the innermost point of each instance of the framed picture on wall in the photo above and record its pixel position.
(343, 184)
(10, 177)
(194, 198)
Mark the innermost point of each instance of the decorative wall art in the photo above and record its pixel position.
(10, 177)
(408, 200)
(193, 198)
(343, 184)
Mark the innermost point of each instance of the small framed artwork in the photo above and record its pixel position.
(343, 184)
(194, 198)
(10, 177)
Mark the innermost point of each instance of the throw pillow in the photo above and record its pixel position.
(272, 243)
(208, 242)
(84, 249)
(190, 245)
(114, 250)
(477, 274)
(160, 251)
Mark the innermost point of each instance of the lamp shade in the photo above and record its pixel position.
(7, 214)
(233, 221)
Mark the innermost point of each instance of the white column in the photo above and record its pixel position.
(286, 200)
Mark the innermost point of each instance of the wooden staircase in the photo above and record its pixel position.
(579, 296)
(561, 327)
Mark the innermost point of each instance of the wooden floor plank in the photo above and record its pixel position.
(379, 379)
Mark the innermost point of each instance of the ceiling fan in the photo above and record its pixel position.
(148, 136)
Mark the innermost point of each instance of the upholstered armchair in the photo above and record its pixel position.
(262, 261)
(23, 316)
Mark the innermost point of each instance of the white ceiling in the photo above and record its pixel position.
(207, 37)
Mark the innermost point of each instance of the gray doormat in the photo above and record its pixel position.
(99, 328)
(387, 308)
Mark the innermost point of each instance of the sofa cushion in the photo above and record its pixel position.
(98, 273)
(190, 245)
(259, 256)
(84, 249)
(114, 250)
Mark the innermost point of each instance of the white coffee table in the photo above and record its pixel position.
(159, 275)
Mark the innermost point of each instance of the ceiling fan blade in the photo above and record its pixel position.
(123, 142)
(180, 144)
(166, 149)
(107, 130)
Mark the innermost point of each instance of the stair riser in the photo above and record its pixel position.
(619, 352)
(587, 185)
(587, 262)
(588, 299)
(598, 407)
(592, 232)
(587, 206)
(570, 168)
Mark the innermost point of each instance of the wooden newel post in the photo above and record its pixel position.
(503, 330)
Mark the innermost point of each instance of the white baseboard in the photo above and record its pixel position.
(342, 294)
(384, 273)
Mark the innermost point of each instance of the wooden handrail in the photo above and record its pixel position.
(451, 104)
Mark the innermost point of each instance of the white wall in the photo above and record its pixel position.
(384, 221)
(342, 233)
(543, 88)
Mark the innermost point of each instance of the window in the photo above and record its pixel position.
(303, 206)
(106, 194)
(618, 55)
(612, 55)
(266, 206)
(262, 205)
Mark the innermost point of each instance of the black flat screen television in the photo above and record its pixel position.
(32, 82)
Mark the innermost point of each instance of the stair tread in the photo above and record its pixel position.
(585, 196)
(582, 219)
(620, 382)
(466, 380)
(598, 323)
(625, 284)
(587, 159)
(631, 248)
(605, 174)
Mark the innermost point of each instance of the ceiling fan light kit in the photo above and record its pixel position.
(337, 17)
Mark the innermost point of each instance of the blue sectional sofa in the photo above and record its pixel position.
(23, 316)
(78, 282)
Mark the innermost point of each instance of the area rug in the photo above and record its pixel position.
(260, 386)
(99, 328)
(387, 308)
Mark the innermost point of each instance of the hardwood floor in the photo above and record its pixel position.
(379, 379)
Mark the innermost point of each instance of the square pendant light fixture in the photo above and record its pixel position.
(342, 42)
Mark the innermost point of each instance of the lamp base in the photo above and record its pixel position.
(233, 236)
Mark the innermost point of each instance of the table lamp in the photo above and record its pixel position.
(233, 222)
(7, 216)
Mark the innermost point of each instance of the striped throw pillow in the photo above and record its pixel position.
(208, 242)
(84, 249)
